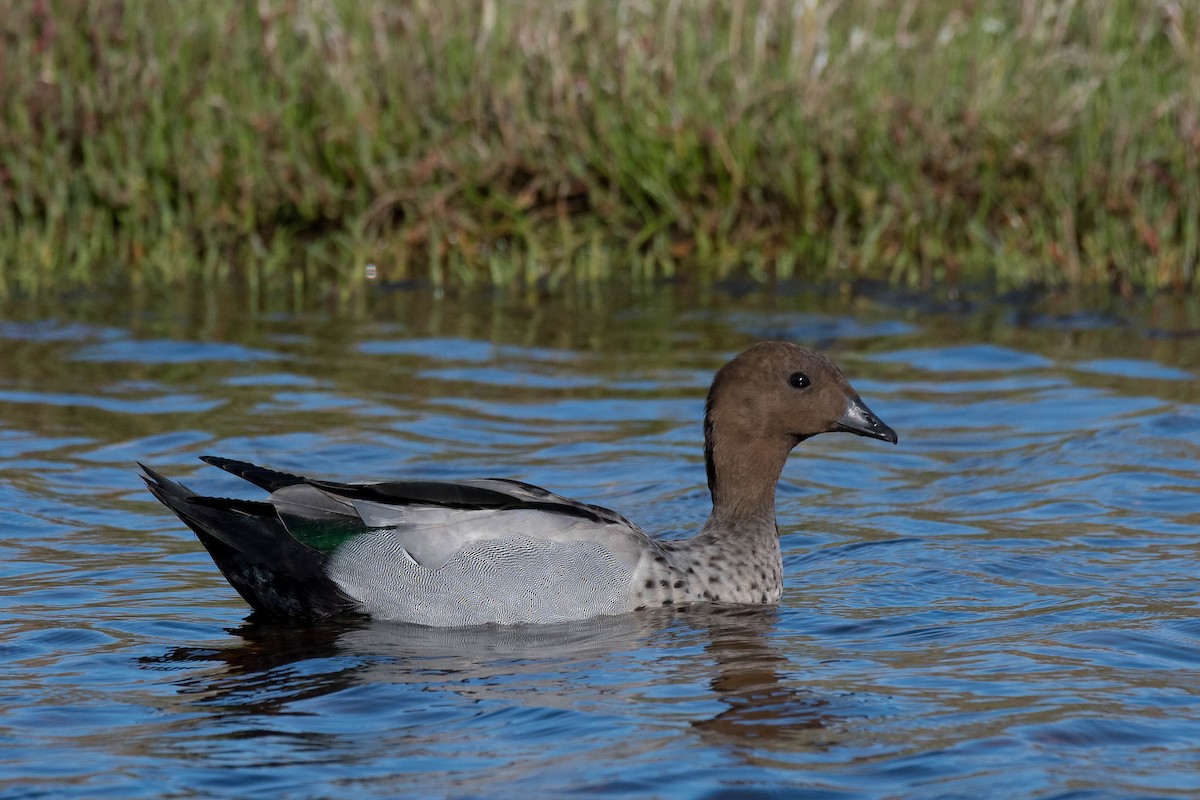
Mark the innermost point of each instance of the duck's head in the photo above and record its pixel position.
(779, 389)
(774, 396)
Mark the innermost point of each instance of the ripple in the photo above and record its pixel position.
(508, 378)
(817, 330)
(54, 331)
(439, 349)
(1131, 368)
(161, 404)
(165, 351)
(966, 358)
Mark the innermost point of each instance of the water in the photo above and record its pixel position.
(1004, 605)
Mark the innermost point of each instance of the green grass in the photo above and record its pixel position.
(292, 143)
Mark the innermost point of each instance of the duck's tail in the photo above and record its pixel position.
(277, 575)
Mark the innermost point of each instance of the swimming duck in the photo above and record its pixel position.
(502, 551)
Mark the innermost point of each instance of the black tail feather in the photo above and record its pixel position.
(277, 575)
(264, 478)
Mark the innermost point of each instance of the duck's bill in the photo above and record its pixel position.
(861, 420)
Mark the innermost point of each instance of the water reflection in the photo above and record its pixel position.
(755, 697)
(765, 707)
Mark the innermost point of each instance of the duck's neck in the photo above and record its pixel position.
(743, 471)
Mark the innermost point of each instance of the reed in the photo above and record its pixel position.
(292, 142)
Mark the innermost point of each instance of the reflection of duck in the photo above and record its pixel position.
(763, 710)
(593, 664)
(481, 551)
(255, 675)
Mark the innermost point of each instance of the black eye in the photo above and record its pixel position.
(798, 380)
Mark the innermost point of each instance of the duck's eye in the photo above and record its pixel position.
(798, 380)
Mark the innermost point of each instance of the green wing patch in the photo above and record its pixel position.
(323, 535)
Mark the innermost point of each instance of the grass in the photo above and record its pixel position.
(291, 143)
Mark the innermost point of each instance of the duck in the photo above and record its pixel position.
(496, 551)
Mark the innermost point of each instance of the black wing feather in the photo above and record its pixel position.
(467, 496)
(438, 493)
(268, 480)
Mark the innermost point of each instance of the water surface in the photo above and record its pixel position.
(1004, 605)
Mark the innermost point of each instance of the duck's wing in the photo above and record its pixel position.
(435, 517)
(366, 536)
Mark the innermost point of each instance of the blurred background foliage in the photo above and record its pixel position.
(468, 142)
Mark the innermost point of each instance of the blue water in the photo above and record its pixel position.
(1005, 605)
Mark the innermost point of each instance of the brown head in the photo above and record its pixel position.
(766, 401)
